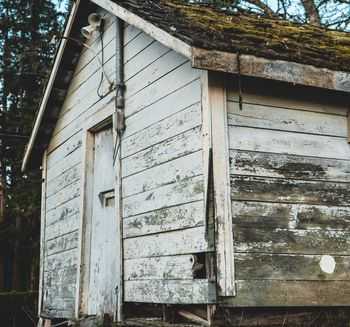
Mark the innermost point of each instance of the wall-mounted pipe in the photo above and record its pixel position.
(120, 85)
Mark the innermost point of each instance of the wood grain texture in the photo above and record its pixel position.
(281, 215)
(68, 177)
(186, 241)
(176, 292)
(162, 268)
(275, 94)
(170, 172)
(160, 88)
(288, 267)
(288, 166)
(62, 226)
(166, 219)
(63, 243)
(172, 148)
(71, 192)
(172, 103)
(252, 139)
(275, 118)
(267, 293)
(289, 191)
(164, 129)
(294, 241)
(221, 172)
(173, 194)
(65, 211)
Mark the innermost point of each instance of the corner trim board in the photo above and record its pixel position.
(221, 169)
(42, 233)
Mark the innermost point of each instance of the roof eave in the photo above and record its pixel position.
(279, 70)
(157, 33)
(245, 65)
(49, 86)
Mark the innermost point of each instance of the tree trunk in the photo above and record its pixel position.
(311, 12)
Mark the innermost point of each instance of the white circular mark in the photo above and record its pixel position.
(327, 264)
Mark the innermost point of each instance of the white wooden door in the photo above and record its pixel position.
(104, 242)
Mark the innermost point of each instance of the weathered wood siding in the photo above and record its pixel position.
(64, 189)
(162, 177)
(290, 173)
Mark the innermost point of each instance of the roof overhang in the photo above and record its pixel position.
(245, 65)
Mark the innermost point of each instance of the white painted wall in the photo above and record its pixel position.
(162, 175)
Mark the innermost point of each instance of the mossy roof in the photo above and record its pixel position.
(209, 28)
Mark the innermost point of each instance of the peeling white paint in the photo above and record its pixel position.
(327, 264)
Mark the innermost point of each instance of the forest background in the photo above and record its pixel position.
(26, 55)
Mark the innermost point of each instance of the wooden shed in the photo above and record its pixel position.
(205, 166)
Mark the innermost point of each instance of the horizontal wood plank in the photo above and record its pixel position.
(286, 120)
(62, 166)
(267, 293)
(172, 148)
(283, 95)
(164, 174)
(261, 266)
(164, 268)
(172, 292)
(266, 189)
(160, 88)
(63, 212)
(166, 219)
(67, 178)
(155, 71)
(288, 166)
(62, 243)
(149, 54)
(59, 261)
(187, 241)
(252, 139)
(65, 195)
(62, 226)
(294, 241)
(180, 99)
(280, 215)
(162, 130)
(184, 191)
(72, 144)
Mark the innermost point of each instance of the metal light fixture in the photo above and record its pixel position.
(95, 22)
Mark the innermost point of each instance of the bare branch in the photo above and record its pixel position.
(311, 12)
(265, 8)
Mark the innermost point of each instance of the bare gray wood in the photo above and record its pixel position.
(267, 293)
(250, 163)
(267, 189)
(261, 266)
(294, 241)
(281, 215)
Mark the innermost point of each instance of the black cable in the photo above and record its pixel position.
(103, 62)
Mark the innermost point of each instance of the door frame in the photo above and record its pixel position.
(86, 207)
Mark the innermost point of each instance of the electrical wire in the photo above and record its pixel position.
(111, 84)
(102, 72)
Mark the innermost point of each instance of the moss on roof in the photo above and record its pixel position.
(208, 28)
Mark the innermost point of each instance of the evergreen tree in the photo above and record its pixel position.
(26, 28)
